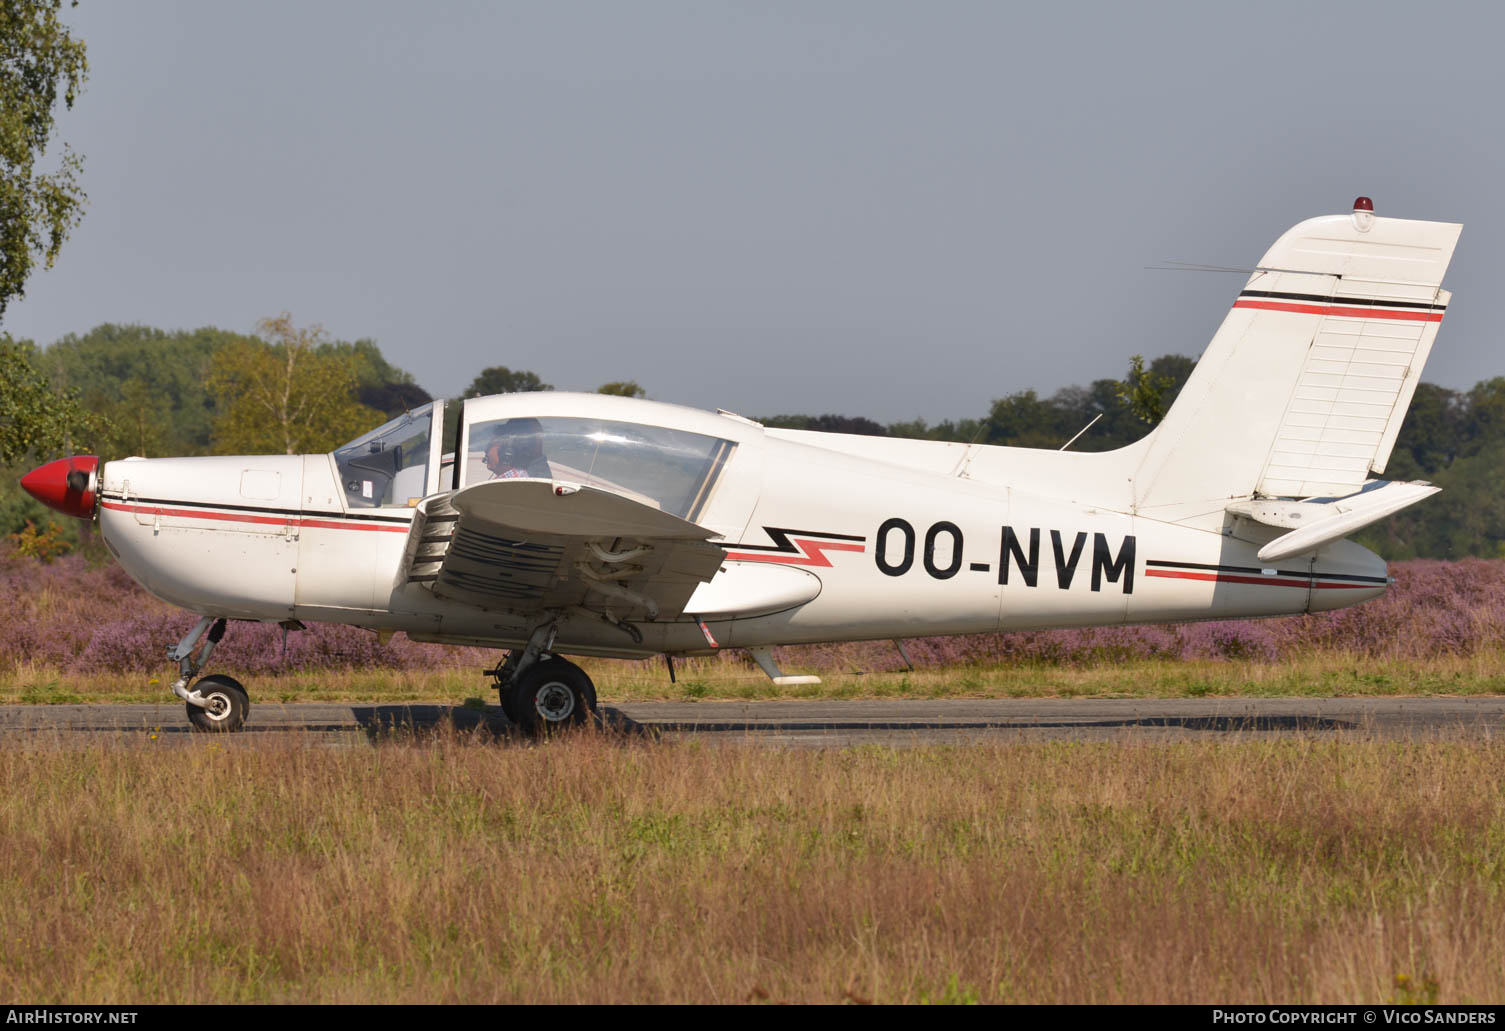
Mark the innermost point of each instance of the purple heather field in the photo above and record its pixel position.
(92, 618)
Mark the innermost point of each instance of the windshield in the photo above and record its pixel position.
(669, 469)
(389, 465)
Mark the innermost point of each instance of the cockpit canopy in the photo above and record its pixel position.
(670, 469)
(398, 464)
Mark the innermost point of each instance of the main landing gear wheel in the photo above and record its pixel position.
(228, 705)
(509, 702)
(549, 695)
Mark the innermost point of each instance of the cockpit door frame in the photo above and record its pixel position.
(436, 448)
(462, 445)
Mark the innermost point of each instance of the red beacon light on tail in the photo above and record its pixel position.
(67, 485)
(1363, 214)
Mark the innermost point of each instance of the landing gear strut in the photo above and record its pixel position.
(216, 703)
(541, 692)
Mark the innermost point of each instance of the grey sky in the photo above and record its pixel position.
(885, 209)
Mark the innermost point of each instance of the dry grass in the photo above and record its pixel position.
(589, 869)
(1320, 674)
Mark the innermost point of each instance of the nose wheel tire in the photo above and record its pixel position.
(550, 695)
(228, 705)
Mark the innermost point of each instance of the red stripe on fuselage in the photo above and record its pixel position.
(1342, 311)
(814, 554)
(245, 517)
(1258, 581)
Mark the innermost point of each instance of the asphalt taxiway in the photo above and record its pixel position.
(823, 723)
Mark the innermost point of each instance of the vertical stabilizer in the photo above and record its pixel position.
(1303, 389)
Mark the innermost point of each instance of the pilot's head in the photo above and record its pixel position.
(515, 444)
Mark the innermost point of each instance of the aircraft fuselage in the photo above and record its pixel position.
(896, 552)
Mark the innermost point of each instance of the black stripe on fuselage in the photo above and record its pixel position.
(785, 545)
(1354, 302)
(173, 502)
(1257, 571)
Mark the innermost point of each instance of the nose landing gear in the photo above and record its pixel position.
(216, 703)
(226, 704)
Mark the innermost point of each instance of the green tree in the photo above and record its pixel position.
(1484, 421)
(1146, 392)
(622, 388)
(1025, 419)
(289, 394)
(498, 379)
(36, 421)
(963, 431)
(39, 61)
(174, 367)
(1434, 432)
(827, 424)
(137, 425)
(379, 383)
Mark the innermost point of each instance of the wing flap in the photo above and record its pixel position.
(536, 545)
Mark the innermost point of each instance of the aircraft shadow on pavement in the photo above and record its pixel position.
(379, 721)
(1221, 724)
(387, 720)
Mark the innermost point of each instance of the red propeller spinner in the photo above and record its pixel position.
(67, 485)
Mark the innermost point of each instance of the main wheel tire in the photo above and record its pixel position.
(507, 695)
(229, 705)
(551, 695)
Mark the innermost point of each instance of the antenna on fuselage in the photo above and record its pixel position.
(1081, 431)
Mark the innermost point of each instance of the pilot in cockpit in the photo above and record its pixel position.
(516, 450)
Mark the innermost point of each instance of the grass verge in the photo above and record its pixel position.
(592, 870)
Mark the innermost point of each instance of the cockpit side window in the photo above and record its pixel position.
(388, 466)
(669, 469)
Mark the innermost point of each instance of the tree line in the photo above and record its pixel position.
(136, 390)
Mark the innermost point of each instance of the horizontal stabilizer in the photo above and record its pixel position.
(1313, 524)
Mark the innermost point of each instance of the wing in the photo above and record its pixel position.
(534, 545)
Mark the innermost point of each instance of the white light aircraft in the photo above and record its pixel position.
(549, 523)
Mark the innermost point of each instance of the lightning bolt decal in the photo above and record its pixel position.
(797, 547)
